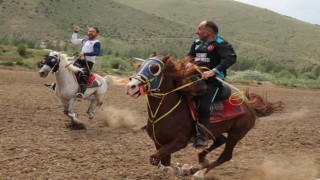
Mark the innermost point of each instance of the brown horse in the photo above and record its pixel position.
(170, 123)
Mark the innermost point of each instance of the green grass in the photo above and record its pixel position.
(110, 64)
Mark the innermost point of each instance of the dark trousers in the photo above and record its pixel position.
(86, 66)
(204, 102)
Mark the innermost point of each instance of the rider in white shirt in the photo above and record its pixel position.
(91, 48)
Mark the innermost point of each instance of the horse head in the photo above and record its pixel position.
(54, 61)
(148, 77)
(50, 63)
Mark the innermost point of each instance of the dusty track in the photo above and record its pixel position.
(35, 143)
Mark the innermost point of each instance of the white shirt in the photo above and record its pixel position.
(87, 46)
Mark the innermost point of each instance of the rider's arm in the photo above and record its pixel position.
(228, 56)
(96, 50)
(75, 40)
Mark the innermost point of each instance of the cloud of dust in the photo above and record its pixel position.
(120, 81)
(116, 118)
(298, 114)
(295, 167)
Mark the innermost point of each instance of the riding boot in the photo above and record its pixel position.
(201, 138)
(82, 89)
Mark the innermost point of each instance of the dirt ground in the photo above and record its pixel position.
(36, 144)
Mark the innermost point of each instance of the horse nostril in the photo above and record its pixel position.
(133, 87)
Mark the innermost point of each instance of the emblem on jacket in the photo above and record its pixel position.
(210, 48)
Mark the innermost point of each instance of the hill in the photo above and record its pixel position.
(255, 32)
(137, 27)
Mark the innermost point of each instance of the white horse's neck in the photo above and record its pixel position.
(66, 79)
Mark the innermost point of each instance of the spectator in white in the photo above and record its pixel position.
(91, 48)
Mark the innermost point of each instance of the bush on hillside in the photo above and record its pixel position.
(252, 75)
(308, 76)
(284, 74)
(22, 50)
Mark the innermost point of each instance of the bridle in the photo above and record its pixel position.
(53, 62)
(146, 78)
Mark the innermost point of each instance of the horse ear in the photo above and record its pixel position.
(166, 58)
(153, 54)
(137, 63)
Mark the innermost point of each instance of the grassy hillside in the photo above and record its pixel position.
(134, 28)
(123, 29)
(255, 32)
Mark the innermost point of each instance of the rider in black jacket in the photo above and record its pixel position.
(213, 52)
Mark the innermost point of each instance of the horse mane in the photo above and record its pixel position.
(181, 73)
(65, 62)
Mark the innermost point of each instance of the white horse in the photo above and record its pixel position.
(67, 85)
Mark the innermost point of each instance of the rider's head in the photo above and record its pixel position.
(207, 30)
(93, 32)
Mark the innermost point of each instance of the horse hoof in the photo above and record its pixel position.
(186, 170)
(90, 116)
(76, 124)
(204, 163)
(154, 161)
(199, 175)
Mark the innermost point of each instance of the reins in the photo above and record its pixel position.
(238, 95)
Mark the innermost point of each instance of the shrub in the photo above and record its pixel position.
(284, 74)
(252, 75)
(307, 76)
(6, 63)
(22, 50)
(19, 62)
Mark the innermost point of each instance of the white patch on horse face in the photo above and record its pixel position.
(133, 88)
(44, 71)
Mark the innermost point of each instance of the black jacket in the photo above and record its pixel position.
(217, 54)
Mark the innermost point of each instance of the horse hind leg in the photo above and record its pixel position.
(226, 155)
(220, 140)
(95, 103)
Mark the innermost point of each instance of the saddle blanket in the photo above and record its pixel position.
(229, 111)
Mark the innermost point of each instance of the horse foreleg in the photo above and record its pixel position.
(166, 150)
(67, 110)
(220, 140)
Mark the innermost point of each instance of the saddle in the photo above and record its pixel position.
(92, 80)
(223, 108)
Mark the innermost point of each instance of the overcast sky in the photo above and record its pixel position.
(305, 10)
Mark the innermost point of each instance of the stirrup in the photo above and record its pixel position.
(202, 144)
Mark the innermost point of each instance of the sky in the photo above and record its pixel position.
(305, 10)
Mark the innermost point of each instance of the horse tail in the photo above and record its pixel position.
(261, 106)
(107, 79)
(116, 80)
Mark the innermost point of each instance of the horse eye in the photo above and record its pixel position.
(154, 69)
